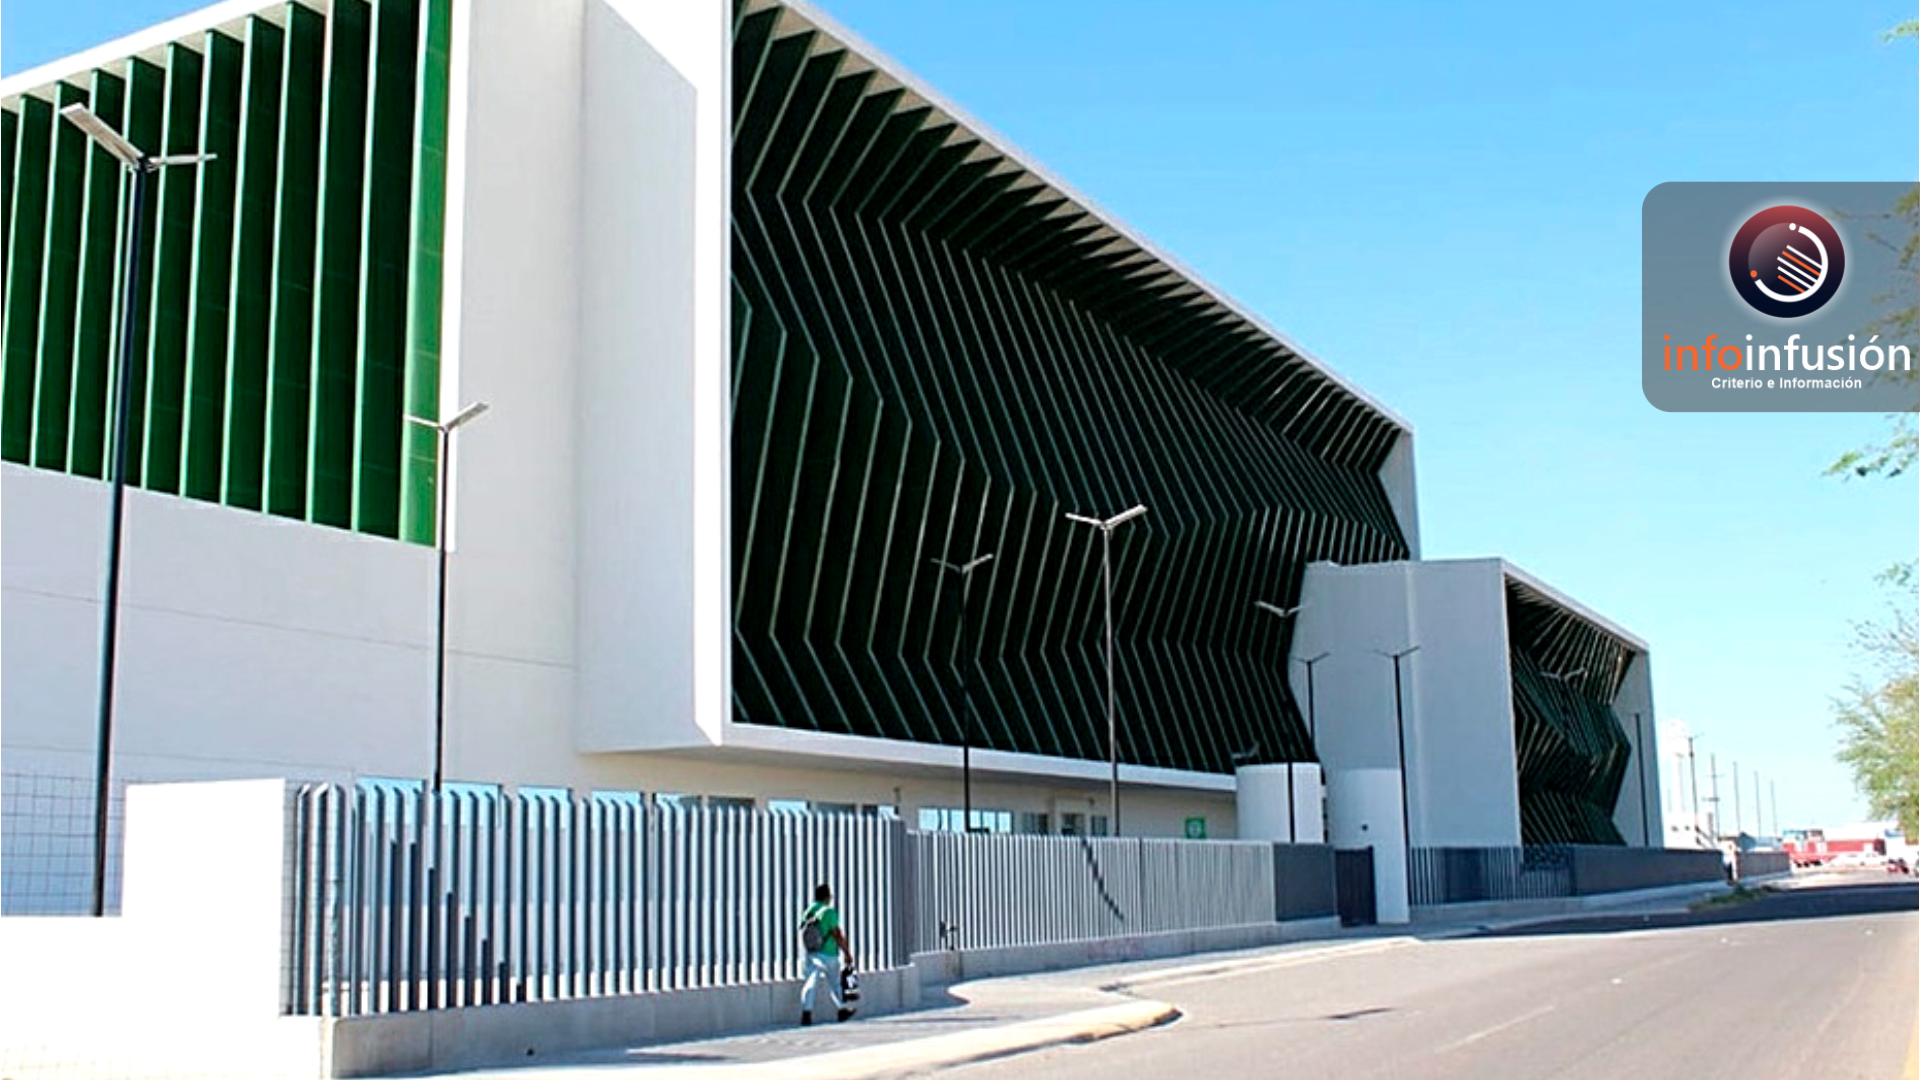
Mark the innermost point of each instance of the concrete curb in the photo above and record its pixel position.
(1215, 969)
(965, 1048)
(910, 1056)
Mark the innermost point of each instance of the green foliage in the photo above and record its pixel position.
(1908, 29)
(1879, 721)
(1899, 231)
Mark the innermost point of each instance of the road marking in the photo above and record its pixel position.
(1201, 972)
(1497, 1028)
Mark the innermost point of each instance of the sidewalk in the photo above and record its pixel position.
(987, 1018)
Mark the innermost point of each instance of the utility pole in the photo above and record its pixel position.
(1775, 793)
(1713, 814)
(1693, 769)
(1736, 802)
(1759, 817)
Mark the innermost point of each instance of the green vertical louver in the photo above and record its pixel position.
(291, 286)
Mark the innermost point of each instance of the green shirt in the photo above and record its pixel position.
(829, 922)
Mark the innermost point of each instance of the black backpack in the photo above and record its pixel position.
(813, 937)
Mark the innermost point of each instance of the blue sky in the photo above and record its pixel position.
(1442, 201)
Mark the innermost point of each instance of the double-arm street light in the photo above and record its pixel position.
(965, 572)
(443, 432)
(1279, 612)
(1106, 527)
(1400, 729)
(140, 166)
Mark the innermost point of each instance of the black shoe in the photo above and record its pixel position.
(806, 1018)
(845, 1015)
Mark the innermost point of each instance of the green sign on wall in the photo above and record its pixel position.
(1196, 828)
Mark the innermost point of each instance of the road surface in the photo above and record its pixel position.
(1812, 984)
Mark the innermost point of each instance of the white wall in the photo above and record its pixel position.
(1465, 786)
(1403, 494)
(1457, 700)
(511, 317)
(247, 643)
(188, 982)
(653, 453)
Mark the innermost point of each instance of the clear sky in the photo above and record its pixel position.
(1443, 202)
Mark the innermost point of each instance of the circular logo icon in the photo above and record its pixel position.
(1786, 262)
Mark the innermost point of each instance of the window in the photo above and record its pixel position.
(1030, 824)
(948, 819)
(787, 806)
(730, 802)
(677, 802)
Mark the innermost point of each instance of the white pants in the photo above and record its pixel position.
(821, 968)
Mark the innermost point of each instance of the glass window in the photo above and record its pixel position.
(787, 806)
(730, 802)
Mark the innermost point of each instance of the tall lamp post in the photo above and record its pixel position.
(1640, 758)
(1313, 732)
(1293, 835)
(965, 571)
(1693, 784)
(1400, 730)
(1106, 527)
(140, 166)
(443, 432)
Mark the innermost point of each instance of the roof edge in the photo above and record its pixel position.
(980, 130)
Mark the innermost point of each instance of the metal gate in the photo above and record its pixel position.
(1353, 881)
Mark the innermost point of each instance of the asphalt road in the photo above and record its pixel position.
(1814, 984)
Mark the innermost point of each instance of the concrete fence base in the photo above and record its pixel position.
(525, 1034)
(1563, 905)
(941, 969)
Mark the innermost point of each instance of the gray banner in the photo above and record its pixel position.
(1746, 311)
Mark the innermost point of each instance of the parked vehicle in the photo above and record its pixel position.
(1815, 849)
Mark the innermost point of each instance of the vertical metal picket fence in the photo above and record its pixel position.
(1452, 875)
(985, 891)
(403, 899)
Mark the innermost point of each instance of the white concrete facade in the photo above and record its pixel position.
(589, 635)
(1456, 694)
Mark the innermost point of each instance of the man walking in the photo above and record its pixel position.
(826, 944)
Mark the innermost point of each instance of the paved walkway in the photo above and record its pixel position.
(983, 1019)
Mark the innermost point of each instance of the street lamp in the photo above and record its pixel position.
(139, 166)
(1640, 758)
(1693, 783)
(1106, 527)
(1279, 612)
(1400, 729)
(965, 570)
(1313, 735)
(443, 431)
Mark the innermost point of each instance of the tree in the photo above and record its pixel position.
(1879, 721)
(1901, 322)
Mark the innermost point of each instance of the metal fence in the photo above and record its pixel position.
(1453, 875)
(985, 891)
(403, 899)
(46, 843)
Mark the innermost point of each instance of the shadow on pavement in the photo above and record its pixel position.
(1811, 903)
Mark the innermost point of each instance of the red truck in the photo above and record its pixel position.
(1814, 849)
